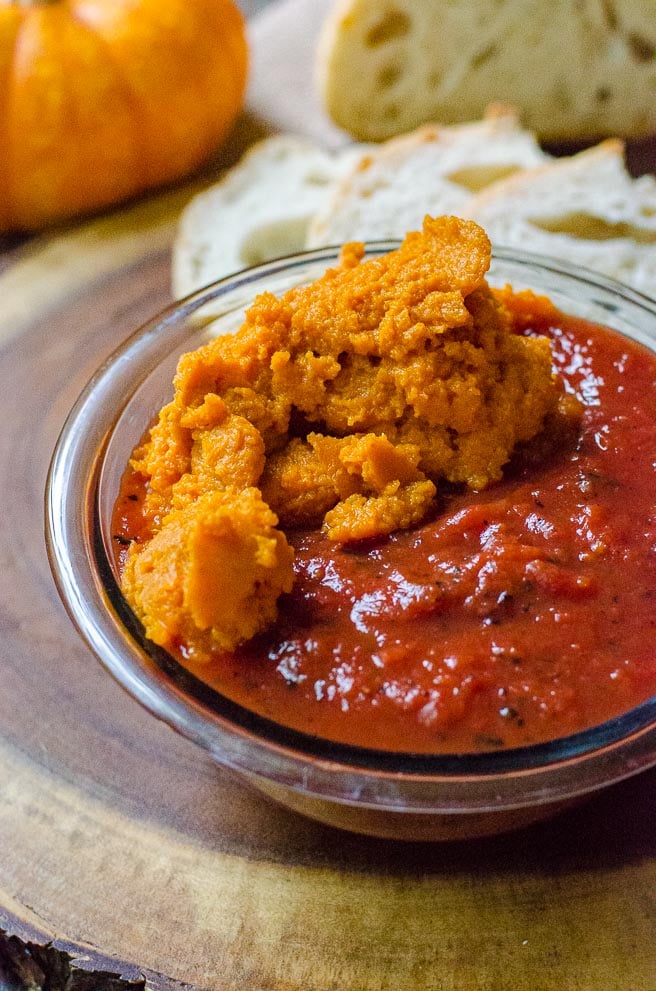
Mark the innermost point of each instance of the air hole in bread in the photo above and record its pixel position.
(561, 97)
(395, 24)
(610, 15)
(389, 75)
(317, 179)
(482, 57)
(283, 237)
(434, 80)
(587, 227)
(477, 177)
(391, 112)
(641, 48)
(197, 260)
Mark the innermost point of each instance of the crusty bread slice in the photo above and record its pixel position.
(433, 170)
(259, 210)
(585, 209)
(576, 71)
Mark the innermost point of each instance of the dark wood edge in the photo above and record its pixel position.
(33, 960)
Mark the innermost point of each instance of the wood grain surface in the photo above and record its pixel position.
(128, 858)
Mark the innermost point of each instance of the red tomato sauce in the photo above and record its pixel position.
(517, 615)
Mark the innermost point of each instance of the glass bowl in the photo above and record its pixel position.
(421, 797)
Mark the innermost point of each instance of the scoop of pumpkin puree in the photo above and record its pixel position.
(213, 573)
(343, 404)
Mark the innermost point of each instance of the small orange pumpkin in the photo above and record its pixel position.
(103, 99)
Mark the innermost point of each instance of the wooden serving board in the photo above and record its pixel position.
(126, 856)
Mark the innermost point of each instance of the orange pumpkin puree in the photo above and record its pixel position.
(343, 405)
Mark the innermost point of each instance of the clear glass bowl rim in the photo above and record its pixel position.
(238, 738)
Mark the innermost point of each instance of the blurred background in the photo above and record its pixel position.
(250, 7)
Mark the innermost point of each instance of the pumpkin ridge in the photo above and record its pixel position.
(232, 84)
(11, 23)
(141, 177)
(25, 183)
(236, 42)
